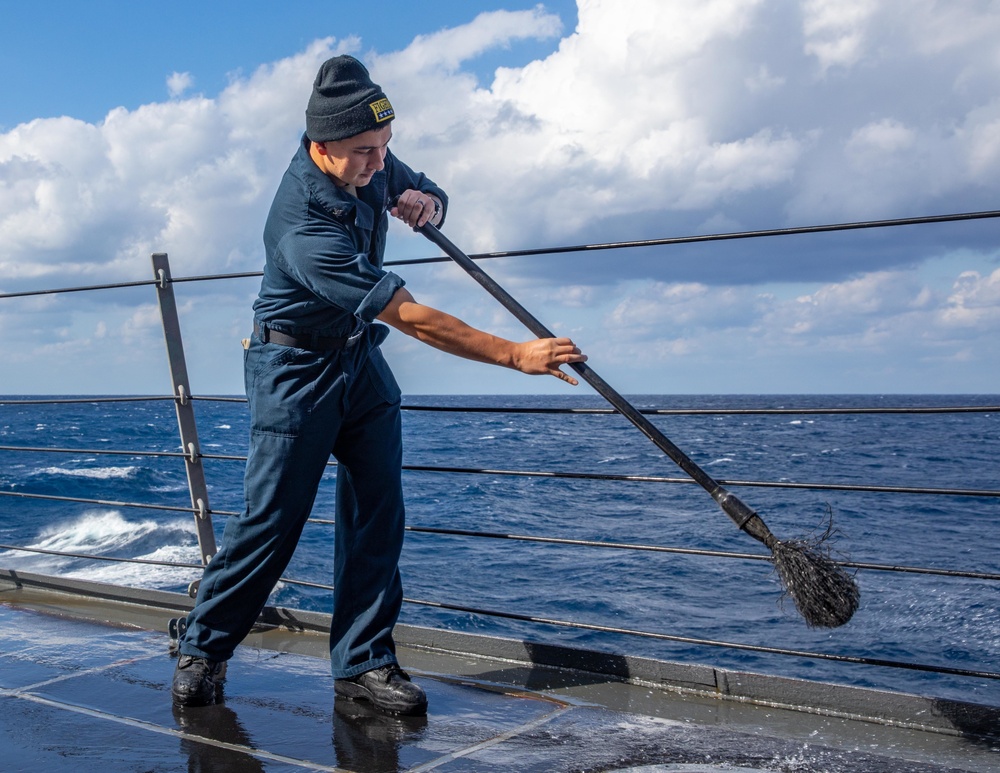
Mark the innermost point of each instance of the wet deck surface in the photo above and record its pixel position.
(78, 695)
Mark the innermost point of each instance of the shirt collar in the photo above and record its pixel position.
(337, 200)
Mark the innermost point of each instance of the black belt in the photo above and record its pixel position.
(310, 342)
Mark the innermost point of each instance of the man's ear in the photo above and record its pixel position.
(320, 148)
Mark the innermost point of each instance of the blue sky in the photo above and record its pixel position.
(131, 128)
(82, 59)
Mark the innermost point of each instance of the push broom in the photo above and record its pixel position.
(825, 595)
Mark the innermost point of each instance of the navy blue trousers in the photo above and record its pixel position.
(305, 406)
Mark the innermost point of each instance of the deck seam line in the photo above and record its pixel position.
(179, 734)
(85, 672)
(495, 740)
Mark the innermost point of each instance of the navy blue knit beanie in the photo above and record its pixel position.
(345, 102)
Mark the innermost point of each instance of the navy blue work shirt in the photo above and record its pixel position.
(323, 273)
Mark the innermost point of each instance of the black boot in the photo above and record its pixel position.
(196, 680)
(389, 688)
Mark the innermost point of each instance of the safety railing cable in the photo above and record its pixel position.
(682, 639)
(691, 551)
(107, 502)
(709, 411)
(540, 539)
(724, 481)
(530, 410)
(735, 235)
(78, 400)
(661, 242)
(561, 475)
(112, 559)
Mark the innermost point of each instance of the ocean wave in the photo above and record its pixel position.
(95, 531)
(101, 532)
(109, 533)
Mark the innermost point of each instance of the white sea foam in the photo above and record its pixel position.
(700, 767)
(99, 473)
(145, 575)
(169, 489)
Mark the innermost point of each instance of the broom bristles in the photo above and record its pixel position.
(825, 595)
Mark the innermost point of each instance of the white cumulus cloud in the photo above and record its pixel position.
(179, 82)
(648, 119)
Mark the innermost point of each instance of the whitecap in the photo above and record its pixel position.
(95, 531)
(99, 473)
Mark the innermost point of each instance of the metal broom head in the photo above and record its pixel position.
(825, 595)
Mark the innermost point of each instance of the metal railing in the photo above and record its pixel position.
(193, 457)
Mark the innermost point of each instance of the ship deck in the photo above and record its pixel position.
(85, 678)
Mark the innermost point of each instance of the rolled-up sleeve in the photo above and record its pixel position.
(378, 298)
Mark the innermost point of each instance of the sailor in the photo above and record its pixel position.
(318, 386)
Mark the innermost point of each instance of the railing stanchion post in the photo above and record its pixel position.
(185, 410)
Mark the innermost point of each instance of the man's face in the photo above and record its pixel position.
(354, 160)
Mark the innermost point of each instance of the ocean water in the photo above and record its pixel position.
(952, 622)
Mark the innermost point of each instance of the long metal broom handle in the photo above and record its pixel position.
(733, 507)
